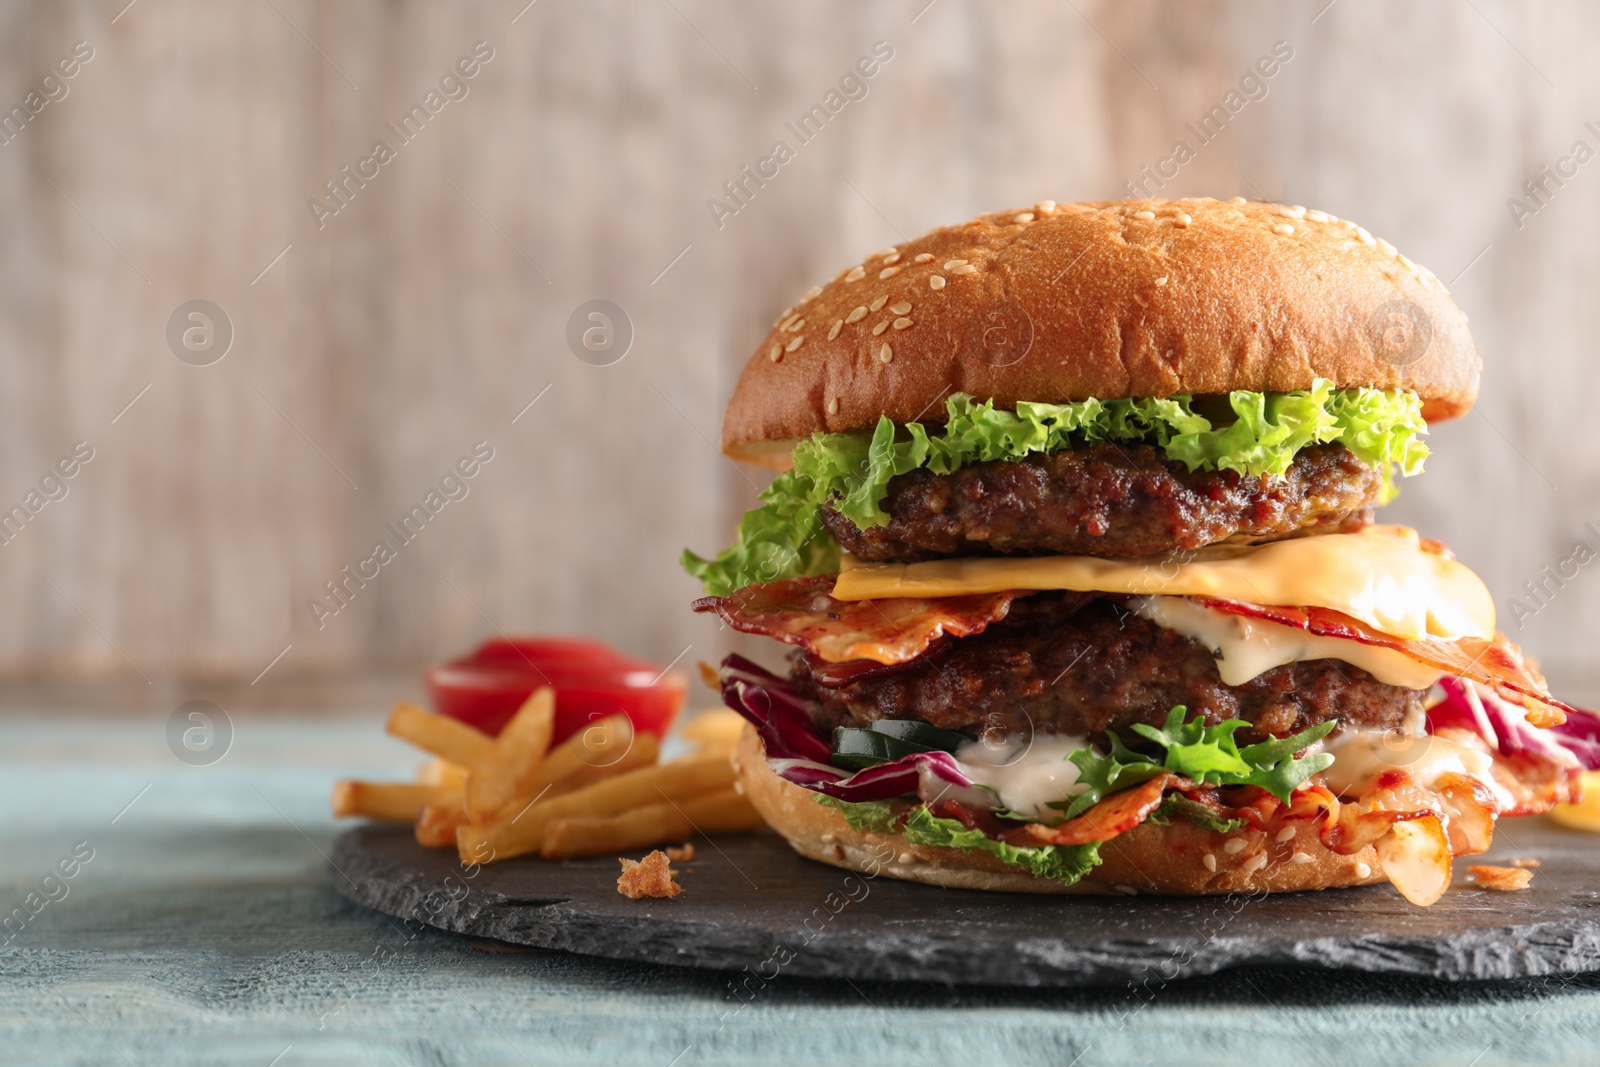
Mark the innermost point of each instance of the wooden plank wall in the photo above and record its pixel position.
(426, 313)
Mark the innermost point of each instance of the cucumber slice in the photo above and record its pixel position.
(916, 732)
(856, 749)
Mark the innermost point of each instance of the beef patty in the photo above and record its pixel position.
(1078, 664)
(1107, 500)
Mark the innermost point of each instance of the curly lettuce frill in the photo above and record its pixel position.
(785, 538)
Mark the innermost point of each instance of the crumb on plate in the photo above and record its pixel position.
(683, 854)
(649, 877)
(1501, 879)
(1525, 861)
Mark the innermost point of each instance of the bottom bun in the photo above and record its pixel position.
(1176, 859)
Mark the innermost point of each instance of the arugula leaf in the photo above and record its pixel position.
(1207, 754)
(1174, 805)
(1105, 774)
(1195, 749)
(1064, 863)
(784, 538)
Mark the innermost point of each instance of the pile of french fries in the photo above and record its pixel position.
(602, 790)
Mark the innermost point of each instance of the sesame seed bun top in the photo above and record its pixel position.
(1107, 299)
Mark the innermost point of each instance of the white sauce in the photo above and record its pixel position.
(1245, 647)
(1360, 755)
(1027, 773)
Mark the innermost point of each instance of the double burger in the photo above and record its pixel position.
(1074, 547)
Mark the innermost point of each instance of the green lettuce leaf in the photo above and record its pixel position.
(784, 538)
(1064, 863)
(876, 815)
(1207, 754)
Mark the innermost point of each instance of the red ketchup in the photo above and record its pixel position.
(592, 682)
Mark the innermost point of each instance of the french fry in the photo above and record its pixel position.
(714, 731)
(599, 750)
(642, 754)
(444, 737)
(523, 832)
(442, 772)
(593, 835)
(513, 758)
(393, 801)
(437, 823)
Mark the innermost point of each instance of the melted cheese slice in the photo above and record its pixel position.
(1381, 576)
(1245, 646)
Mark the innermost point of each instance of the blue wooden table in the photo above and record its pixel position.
(199, 925)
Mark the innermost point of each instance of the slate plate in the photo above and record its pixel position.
(751, 902)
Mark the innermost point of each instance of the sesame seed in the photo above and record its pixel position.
(1301, 857)
(1253, 864)
(894, 258)
(1288, 212)
(1125, 890)
(1285, 834)
(856, 274)
(1366, 237)
(1408, 265)
(884, 325)
(1236, 200)
(1283, 228)
(888, 272)
(833, 331)
(828, 839)
(965, 268)
(1045, 207)
(1026, 216)
(1234, 846)
(1210, 861)
(796, 343)
(906, 857)
(1388, 248)
(789, 325)
(738, 787)
(1298, 211)
(890, 251)
(923, 257)
(1144, 215)
(813, 292)
(1363, 871)
(775, 353)
(1182, 221)
(877, 305)
(1161, 280)
(885, 354)
(952, 264)
(782, 315)
(857, 315)
(936, 282)
(833, 405)
(902, 323)
(901, 308)
(1319, 216)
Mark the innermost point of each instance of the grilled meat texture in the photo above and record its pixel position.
(1108, 500)
(1080, 664)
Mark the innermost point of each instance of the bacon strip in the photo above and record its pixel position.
(800, 611)
(1116, 814)
(1497, 663)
